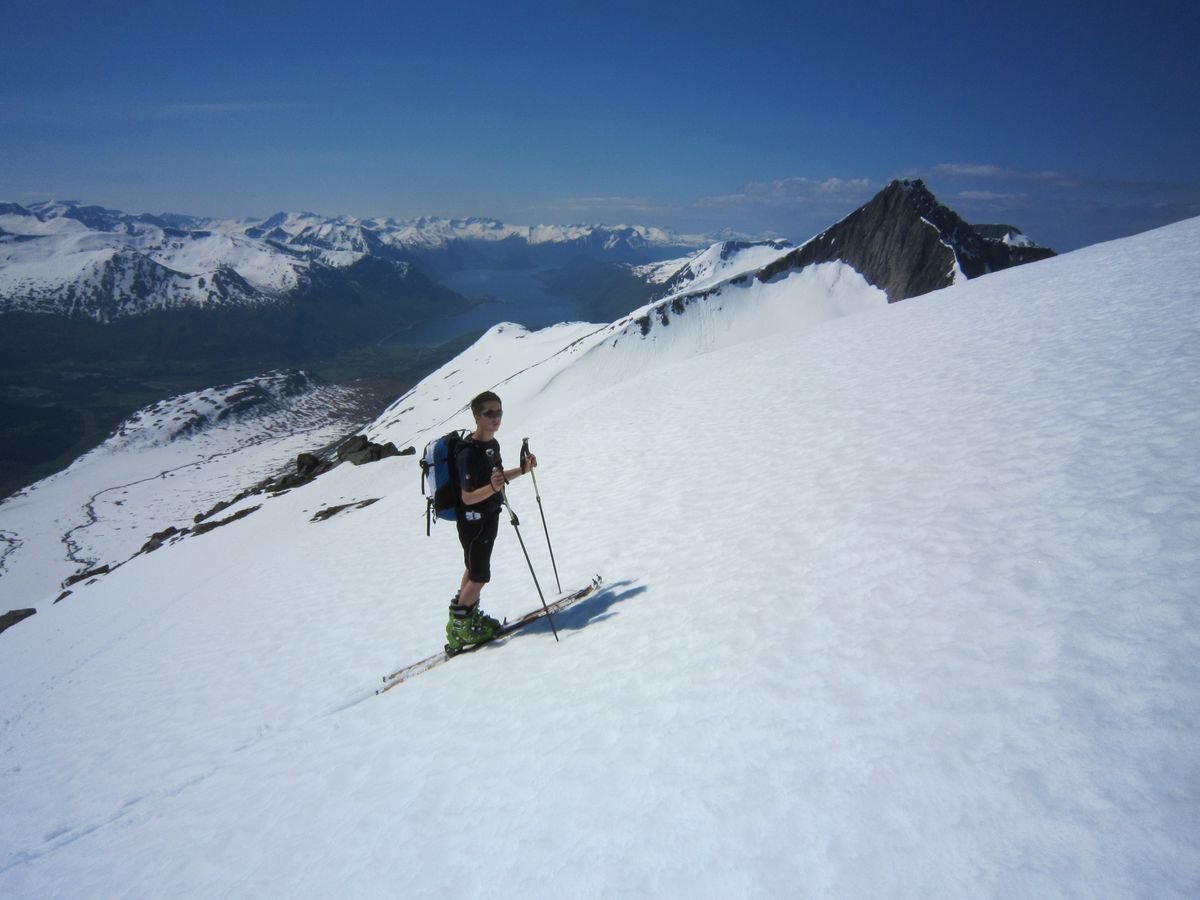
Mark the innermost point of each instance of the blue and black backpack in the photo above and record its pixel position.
(439, 478)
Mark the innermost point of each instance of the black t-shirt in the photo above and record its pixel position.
(475, 461)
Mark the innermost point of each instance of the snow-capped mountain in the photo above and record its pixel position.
(898, 603)
(902, 241)
(91, 262)
(907, 243)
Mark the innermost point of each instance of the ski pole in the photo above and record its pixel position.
(542, 512)
(517, 528)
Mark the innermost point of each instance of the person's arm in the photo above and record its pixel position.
(496, 485)
(510, 474)
(470, 498)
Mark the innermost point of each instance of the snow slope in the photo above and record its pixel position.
(558, 365)
(898, 604)
(716, 263)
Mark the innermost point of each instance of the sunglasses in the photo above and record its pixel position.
(492, 413)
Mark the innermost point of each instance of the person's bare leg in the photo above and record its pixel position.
(468, 594)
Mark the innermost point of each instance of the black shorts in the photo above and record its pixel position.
(477, 534)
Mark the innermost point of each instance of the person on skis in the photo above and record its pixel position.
(482, 478)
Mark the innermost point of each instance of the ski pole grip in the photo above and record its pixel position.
(524, 452)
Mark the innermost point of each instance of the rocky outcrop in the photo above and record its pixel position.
(359, 450)
(330, 511)
(158, 539)
(308, 467)
(13, 616)
(907, 243)
(84, 576)
(212, 524)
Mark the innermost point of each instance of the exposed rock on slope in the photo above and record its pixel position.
(907, 243)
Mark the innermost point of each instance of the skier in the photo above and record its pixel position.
(482, 478)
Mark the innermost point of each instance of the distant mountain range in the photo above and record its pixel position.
(94, 263)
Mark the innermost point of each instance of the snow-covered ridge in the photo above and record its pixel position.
(208, 446)
(278, 403)
(560, 363)
(430, 406)
(719, 262)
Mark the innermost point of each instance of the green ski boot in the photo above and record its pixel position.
(469, 626)
(484, 619)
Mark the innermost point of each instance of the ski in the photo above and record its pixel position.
(402, 675)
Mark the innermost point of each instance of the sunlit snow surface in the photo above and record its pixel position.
(898, 605)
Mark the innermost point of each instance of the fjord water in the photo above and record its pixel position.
(501, 295)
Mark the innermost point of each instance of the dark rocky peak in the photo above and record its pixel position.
(731, 247)
(907, 243)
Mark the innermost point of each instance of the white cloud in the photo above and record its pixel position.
(786, 192)
(977, 170)
(991, 196)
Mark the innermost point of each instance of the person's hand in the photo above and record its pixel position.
(497, 480)
(530, 462)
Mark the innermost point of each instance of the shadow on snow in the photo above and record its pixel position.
(595, 608)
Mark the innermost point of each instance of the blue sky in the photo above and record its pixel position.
(1078, 122)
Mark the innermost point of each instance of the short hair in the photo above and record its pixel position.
(479, 402)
